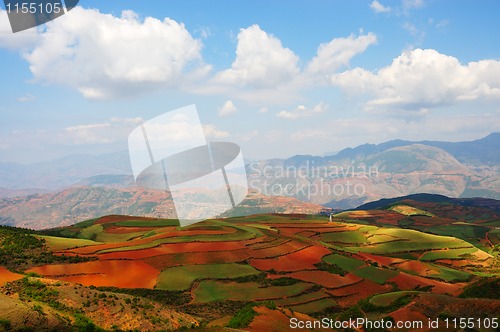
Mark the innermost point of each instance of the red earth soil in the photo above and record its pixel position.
(173, 248)
(351, 294)
(382, 260)
(214, 257)
(118, 273)
(268, 320)
(125, 230)
(409, 282)
(94, 249)
(7, 276)
(279, 250)
(300, 260)
(417, 267)
(324, 278)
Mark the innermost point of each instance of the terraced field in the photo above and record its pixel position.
(304, 263)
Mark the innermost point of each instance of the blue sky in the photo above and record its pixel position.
(279, 78)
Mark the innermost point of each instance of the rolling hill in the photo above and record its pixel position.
(72, 205)
(408, 260)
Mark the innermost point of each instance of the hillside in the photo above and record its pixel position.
(72, 205)
(396, 171)
(257, 272)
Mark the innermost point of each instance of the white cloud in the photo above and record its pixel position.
(26, 98)
(337, 53)
(379, 8)
(15, 41)
(301, 111)
(105, 56)
(411, 4)
(423, 78)
(261, 61)
(212, 132)
(263, 110)
(227, 109)
(249, 136)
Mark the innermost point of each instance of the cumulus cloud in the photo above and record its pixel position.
(302, 111)
(212, 132)
(227, 109)
(411, 4)
(422, 79)
(379, 8)
(337, 53)
(15, 41)
(104, 56)
(261, 61)
(26, 98)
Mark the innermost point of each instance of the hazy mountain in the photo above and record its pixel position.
(488, 203)
(62, 172)
(375, 172)
(76, 204)
(484, 150)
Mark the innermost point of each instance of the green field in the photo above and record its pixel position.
(410, 240)
(181, 277)
(449, 274)
(315, 306)
(494, 236)
(62, 243)
(447, 254)
(346, 263)
(410, 210)
(380, 276)
(303, 298)
(148, 223)
(344, 237)
(91, 232)
(385, 300)
(242, 233)
(211, 291)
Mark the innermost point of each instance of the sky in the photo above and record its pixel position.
(279, 78)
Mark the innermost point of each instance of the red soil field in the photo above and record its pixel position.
(279, 250)
(7, 276)
(269, 244)
(388, 217)
(173, 248)
(125, 230)
(268, 320)
(382, 260)
(214, 257)
(325, 279)
(417, 267)
(93, 249)
(462, 263)
(307, 233)
(409, 282)
(118, 218)
(409, 314)
(300, 260)
(119, 273)
(351, 294)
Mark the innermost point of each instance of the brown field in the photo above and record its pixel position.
(174, 248)
(118, 273)
(409, 282)
(325, 279)
(350, 295)
(303, 259)
(279, 250)
(169, 260)
(7, 276)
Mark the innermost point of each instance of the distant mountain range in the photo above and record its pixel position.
(390, 169)
(78, 187)
(41, 211)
